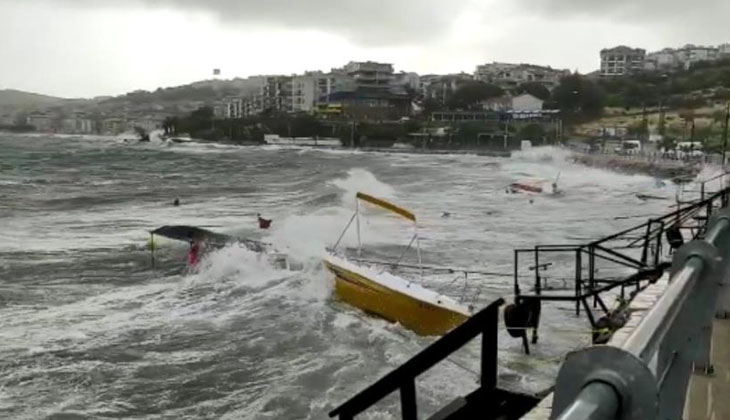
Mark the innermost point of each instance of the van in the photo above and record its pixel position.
(629, 147)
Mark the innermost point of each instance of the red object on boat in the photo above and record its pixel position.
(193, 254)
(264, 223)
(522, 186)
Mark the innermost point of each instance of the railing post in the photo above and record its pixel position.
(649, 374)
(538, 286)
(578, 280)
(517, 274)
(489, 351)
(408, 407)
(702, 191)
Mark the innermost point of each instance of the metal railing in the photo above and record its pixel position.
(488, 397)
(484, 323)
(626, 261)
(647, 377)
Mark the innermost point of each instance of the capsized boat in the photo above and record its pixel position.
(389, 296)
(530, 187)
(217, 240)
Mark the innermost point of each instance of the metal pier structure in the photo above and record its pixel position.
(649, 375)
(618, 266)
(673, 363)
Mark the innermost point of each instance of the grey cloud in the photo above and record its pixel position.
(367, 23)
(686, 19)
(632, 10)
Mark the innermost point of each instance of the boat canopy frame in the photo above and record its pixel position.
(393, 208)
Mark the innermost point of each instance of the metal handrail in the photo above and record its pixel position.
(484, 323)
(649, 334)
(631, 382)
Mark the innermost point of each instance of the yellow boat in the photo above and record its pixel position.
(391, 297)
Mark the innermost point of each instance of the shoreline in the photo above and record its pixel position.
(667, 169)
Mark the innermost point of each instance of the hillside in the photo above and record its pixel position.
(696, 87)
(19, 99)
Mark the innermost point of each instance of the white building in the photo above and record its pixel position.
(690, 54)
(42, 122)
(723, 51)
(77, 124)
(313, 89)
(234, 108)
(370, 73)
(664, 59)
(524, 102)
(409, 80)
(304, 93)
(509, 75)
(621, 60)
(685, 57)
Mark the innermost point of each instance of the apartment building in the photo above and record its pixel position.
(621, 60)
(509, 75)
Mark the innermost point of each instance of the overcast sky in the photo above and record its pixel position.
(82, 48)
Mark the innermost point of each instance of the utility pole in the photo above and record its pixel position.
(506, 133)
(724, 135)
(644, 125)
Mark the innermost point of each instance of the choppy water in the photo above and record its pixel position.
(88, 329)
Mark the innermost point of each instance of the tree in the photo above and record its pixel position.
(535, 89)
(577, 96)
(533, 132)
(473, 92)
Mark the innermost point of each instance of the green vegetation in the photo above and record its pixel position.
(201, 124)
(535, 89)
(692, 88)
(473, 92)
(578, 98)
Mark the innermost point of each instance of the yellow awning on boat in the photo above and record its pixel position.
(386, 205)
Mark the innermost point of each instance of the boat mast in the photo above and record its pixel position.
(418, 248)
(357, 216)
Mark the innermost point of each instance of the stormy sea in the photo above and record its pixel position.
(90, 328)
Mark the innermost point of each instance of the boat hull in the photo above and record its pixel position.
(421, 317)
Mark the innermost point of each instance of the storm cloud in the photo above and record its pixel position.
(366, 23)
(688, 20)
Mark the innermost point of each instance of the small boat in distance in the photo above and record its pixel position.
(388, 296)
(529, 187)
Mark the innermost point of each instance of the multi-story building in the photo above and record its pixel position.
(684, 57)
(661, 60)
(114, 125)
(41, 121)
(370, 74)
(524, 102)
(78, 124)
(252, 105)
(509, 75)
(690, 54)
(277, 93)
(234, 108)
(410, 80)
(314, 88)
(304, 93)
(621, 60)
(440, 88)
(723, 51)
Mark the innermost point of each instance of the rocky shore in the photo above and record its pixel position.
(660, 168)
